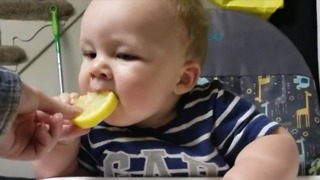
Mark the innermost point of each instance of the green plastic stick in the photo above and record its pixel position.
(56, 35)
(55, 26)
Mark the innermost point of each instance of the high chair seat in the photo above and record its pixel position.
(255, 60)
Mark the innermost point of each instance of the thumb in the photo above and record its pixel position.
(51, 106)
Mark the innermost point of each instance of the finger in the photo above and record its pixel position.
(72, 131)
(42, 140)
(51, 106)
(55, 126)
(65, 98)
(28, 99)
(42, 117)
(48, 138)
(57, 98)
(67, 122)
(74, 96)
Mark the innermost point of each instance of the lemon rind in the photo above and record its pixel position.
(106, 109)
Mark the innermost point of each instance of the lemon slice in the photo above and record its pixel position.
(96, 107)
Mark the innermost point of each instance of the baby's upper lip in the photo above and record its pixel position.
(101, 90)
(97, 85)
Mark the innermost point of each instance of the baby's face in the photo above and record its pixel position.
(132, 48)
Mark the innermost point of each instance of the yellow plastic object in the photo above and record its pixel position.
(96, 107)
(261, 8)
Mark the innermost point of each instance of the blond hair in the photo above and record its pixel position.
(194, 18)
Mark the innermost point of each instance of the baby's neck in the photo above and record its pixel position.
(158, 120)
(163, 117)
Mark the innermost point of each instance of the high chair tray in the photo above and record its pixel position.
(173, 178)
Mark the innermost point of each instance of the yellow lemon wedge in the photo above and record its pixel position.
(96, 107)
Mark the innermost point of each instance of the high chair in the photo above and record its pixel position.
(253, 59)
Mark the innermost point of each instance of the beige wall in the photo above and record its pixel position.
(43, 73)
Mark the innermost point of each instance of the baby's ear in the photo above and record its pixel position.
(189, 75)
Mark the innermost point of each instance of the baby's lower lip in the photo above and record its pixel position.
(110, 91)
(100, 89)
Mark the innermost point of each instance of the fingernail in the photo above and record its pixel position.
(44, 127)
(58, 116)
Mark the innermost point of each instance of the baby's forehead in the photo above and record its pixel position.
(146, 13)
(152, 19)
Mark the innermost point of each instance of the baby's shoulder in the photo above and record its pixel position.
(211, 94)
(208, 89)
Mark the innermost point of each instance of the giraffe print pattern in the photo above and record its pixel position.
(291, 100)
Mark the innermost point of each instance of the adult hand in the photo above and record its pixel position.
(32, 99)
(34, 131)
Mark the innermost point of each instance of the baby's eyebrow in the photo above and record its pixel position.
(83, 44)
(127, 39)
(83, 41)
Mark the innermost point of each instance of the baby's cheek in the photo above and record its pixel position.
(84, 86)
(142, 104)
(137, 93)
(84, 81)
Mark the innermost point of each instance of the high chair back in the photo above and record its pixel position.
(253, 59)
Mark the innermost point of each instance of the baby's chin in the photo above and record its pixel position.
(118, 122)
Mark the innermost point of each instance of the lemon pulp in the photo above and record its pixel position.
(96, 107)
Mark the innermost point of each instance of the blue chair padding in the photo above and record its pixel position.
(253, 59)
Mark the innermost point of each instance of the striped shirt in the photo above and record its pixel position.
(9, 96)
(211, 127)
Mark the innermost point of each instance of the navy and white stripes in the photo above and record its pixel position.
(211, 128)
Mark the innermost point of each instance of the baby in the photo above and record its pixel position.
(149, 52)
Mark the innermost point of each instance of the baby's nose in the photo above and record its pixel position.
(101, 69)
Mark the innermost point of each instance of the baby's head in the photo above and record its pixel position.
(148, 51)
(194, 24)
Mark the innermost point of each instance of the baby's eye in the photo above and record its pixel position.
(127, 57)
(90, 55)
